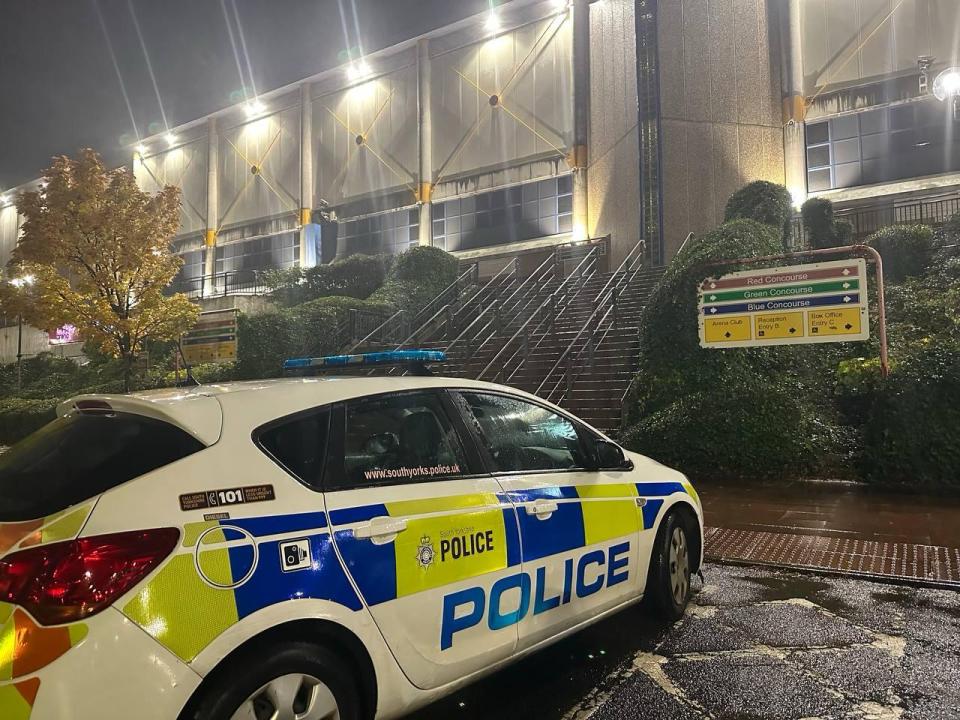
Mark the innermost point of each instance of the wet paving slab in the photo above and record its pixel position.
(755, 643)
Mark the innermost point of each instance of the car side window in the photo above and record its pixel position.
(523, 436)
(299, 445)
(399, 439)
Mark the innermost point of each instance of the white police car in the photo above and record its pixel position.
(316, 547)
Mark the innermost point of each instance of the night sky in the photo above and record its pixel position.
(59, 90)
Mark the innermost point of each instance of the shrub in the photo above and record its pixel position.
(356, 276)
(842, 232)
(763, 201)
(732, 412)
(416, 278)
(910, 426)
(818, 222)
(310, 329)
(906, 250)
(19, 417)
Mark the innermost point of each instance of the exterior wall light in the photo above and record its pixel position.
(141, 149)
(171, 139)
(492, 23)
(358, 71)
(254, 108)
(946, 88)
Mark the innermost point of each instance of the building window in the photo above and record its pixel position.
(882, 145)
(499, 217)
(391, 232)
(192, 267)
(278, 251)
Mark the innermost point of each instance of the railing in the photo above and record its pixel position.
(238, 282)
(549, 311)
(398, 325)
(601, 321)
(866, 221)
(358, 323)
(449, 314)
(503, 313)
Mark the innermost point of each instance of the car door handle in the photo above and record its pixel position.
(543, 509)
(381, 530)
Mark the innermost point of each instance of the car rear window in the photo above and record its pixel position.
(81, 455)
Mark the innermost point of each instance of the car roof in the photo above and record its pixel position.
(204, 409)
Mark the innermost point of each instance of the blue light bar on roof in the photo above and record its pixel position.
(389, 357)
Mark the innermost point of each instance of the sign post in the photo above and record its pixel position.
(812, 303)
(794, 305)
(212, 339)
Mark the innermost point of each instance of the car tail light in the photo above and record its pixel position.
(68, 581)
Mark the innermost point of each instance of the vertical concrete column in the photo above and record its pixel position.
(213, 204)
(581, 116)
(425, 141)
(794, 104)
(306, 175)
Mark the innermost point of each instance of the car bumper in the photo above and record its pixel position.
(115, 672)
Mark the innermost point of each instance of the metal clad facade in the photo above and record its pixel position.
(184, 167)
(260, 168)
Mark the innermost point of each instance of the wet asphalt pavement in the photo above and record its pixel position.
(754, 644)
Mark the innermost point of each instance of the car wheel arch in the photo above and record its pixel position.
(330, 635)
(691, 520)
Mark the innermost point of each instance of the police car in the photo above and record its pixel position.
(316, 547)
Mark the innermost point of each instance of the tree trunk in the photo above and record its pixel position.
(127, 370)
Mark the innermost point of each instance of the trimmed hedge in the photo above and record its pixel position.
(911, 428)
(822, 229)
(416, 278)
(19, 417)
(356, 276)
(264, 341)
(906, 250)
(763, 201)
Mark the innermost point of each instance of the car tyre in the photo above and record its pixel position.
(293, 679)
(668, 580)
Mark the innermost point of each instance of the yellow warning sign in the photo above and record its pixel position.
(726, 329)
(842, 321)
(780, 325)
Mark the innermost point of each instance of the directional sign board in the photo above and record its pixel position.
(213, 338)
(815, 303)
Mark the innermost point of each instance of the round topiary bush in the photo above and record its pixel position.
(818, 222)
(763, 201)
(906, 250)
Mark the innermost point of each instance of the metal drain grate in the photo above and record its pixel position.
(924, 563)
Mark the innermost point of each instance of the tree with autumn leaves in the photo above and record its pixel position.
(98, 250)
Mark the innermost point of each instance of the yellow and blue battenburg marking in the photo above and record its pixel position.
(185, 610)
(229, 569)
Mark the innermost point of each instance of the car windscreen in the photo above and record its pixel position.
(81, 455)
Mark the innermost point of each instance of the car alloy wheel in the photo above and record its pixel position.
(290, 697)
(679, 565)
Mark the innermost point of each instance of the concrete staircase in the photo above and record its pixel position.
(572, 340)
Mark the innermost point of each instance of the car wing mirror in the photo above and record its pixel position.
(610, 456)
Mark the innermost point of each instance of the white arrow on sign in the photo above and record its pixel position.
(846, 285)
(712, 285)
(713, 310)
(846, 298)
(713, 297)
(846, 271)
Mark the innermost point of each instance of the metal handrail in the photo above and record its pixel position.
(611, 297)
(534, 278)
(472, 270)
(455, 284)
(568, 298)
(550, 298)
(378, 328)
(512, 264)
